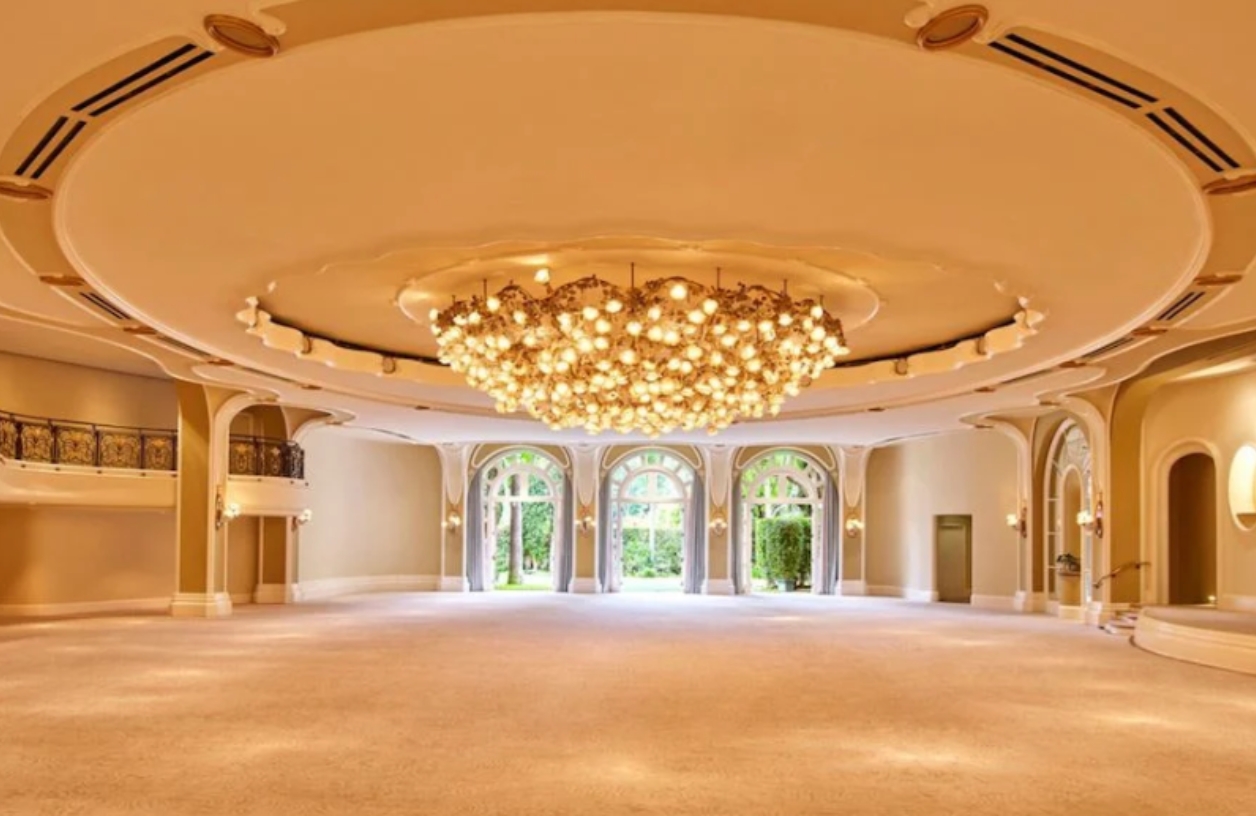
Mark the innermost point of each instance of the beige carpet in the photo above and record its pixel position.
(532, 703)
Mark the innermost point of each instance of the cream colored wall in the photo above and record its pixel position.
(46, 389)
(376, 507)
(64, 555)
(242, 543)
(1218, 414)
(908, 484)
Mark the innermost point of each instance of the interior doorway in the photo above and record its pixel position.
(953, 562)
(1192, 563)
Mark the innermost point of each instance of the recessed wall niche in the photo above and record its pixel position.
(1243, 487)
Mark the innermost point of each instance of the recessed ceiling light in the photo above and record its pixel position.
(242, 36)
(21, 191)
(952, 27)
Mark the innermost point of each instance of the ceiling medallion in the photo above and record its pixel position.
(241, 35)
(23, 191)
(952, 27)
(670, 354)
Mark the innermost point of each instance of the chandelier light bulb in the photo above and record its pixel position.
(670, 354)
(542, 275)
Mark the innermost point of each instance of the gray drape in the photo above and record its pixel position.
(604, 514)
(564, 540)
(737, 541)
(474, 527)
(696, 538)
(831, 538)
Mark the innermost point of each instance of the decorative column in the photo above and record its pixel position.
(1110, 597)
(586, 471)
(455, 460)
(1020, 516)
(853, 469)
(719, 461)
(201, 527)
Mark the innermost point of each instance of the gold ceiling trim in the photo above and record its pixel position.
(1232, 185)
(23, 191)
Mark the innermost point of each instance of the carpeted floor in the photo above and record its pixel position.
(529, 703)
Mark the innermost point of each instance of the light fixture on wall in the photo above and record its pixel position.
(718, 525)
(854, 526)
(587, 523)
(304, 517)
(1092, 522)
(1019, 522)
(224, 511)
(452, 522)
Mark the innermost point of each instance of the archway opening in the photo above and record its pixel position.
(1192, 563)
(1070, 550)
(522, 505)
(651, 494)
(782, 520)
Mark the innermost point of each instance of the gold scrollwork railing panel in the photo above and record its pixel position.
(263, 456)
(80, 444)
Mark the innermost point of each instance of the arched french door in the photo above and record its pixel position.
(522, 538)
(653, 539)
(783, 485)
(1070, 551)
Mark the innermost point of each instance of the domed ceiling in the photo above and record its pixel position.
(977, 216)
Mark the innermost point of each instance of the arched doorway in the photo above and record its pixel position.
(652, 540)
(778, 493)
(521, 542)
(1192, 556)
(1069, 553)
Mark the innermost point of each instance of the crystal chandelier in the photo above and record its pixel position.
(654, 358)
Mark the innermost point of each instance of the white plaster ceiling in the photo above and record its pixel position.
(966, 182)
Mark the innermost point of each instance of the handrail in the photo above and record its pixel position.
(1114, 573)
(44, 440)
(265, 456)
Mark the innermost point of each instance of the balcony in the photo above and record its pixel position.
(60, 462)
(265, 457)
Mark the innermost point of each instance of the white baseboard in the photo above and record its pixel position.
(921, 595)
(60, 610)
(322, 588)
(1003, 603)
(718, 586)
(853, 588)
(453, 583)
(1029, 601)
(241, 598)
(201, 605)
(882, 591)
(1238, 603)
(1099, 613)
(1235, 651)
(1073, 613)
(585, 586)
(276, 594)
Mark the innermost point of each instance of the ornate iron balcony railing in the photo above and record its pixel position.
(264, 456)
(63, 442)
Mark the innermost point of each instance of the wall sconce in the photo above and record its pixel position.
(586, 523)
(1092, 522)
(718, 525)
(305, 517)
(452, 522)
(854, 526)
(1019, 522)
(224, 511)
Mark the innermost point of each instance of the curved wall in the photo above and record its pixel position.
(1216, 415)
(910, 483)
(376, 506)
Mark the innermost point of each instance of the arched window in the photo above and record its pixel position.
(650, 494)
(778, 486)
(1070, 490)
(521, 497)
